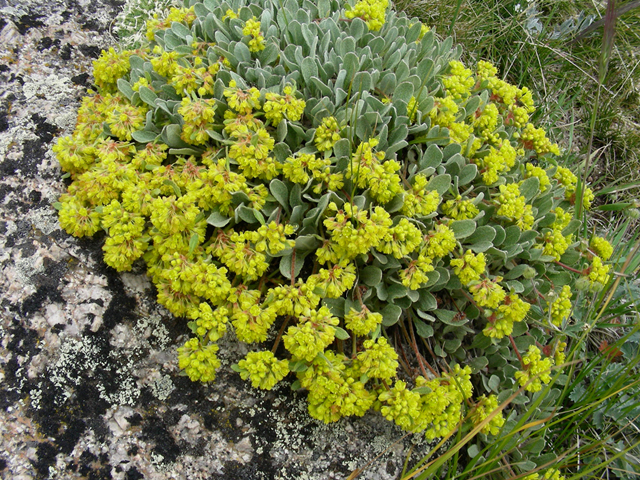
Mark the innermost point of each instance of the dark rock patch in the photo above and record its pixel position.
(82, 79)
(35, 196)
(44, 130)
(90, 51)
(42, 296)
(254, 470)
(27, 22)
(155, 430)
(135, 420)
(4, 116)
(133, 474)
(33, 154)
(46, 454)
(65, 52)
(46, 43)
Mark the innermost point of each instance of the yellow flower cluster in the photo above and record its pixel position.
(537, 370)
(551, 474)
(459, 81)
(312, 335)
(598, 274)
(199, 361)
(109, 67)
(401, 240)
(470, 267)
(181, 15)
(439, 242)
(485, 122)
(368, 170)
(419, 201)
(252, 29)
(333, 282)
(498, 161)
(555, 243)
(371, 11)
(540, 174)
(298, 168)
(263, 369)
(378, 359)
(484, 408)
(77, 219)
(125, 120)
(437, 412)
(252, 149)
(242, 101)
(488, 293)
(210, 323)
(536, 139)
(601, 247)
(444, 111)
(513, 206)
(334, 391)
(327, 134)
(512, 310)
(197, 115)
(459, 209)
(353, 232)
(276, 107)
(125, 242)
(415, 275)
(362, 322)
(560, 308)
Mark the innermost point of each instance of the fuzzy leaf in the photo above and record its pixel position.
(306, 243)
(147, 95)
(280, 192)
(448, 317)
(467, 174)
(423, 329)
(342, 148)
(341, 334)
(180, 30)
(335, 305)
(426, 301)
(440, 184)
(285, 265)
(573, 227)
(403, 92)
(217, 219)
(371, 275)
(515, 272)
(309, 69)
(125, 88)
(463, 228)
(529, 188)
(144, 136)
(390, 314)
(432, 157)
(298, 366)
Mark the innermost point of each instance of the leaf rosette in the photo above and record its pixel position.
(330, 181)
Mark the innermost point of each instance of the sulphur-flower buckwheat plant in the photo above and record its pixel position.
(380, 223)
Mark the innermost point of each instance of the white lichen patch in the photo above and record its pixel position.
(162, 387)
(87, 298)
(44, 220)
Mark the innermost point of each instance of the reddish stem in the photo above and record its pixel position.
(275, 345)
(580, 272)
(516, 350)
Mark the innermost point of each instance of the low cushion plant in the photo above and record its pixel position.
(330, 184)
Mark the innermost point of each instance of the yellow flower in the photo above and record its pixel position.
(252, 28)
